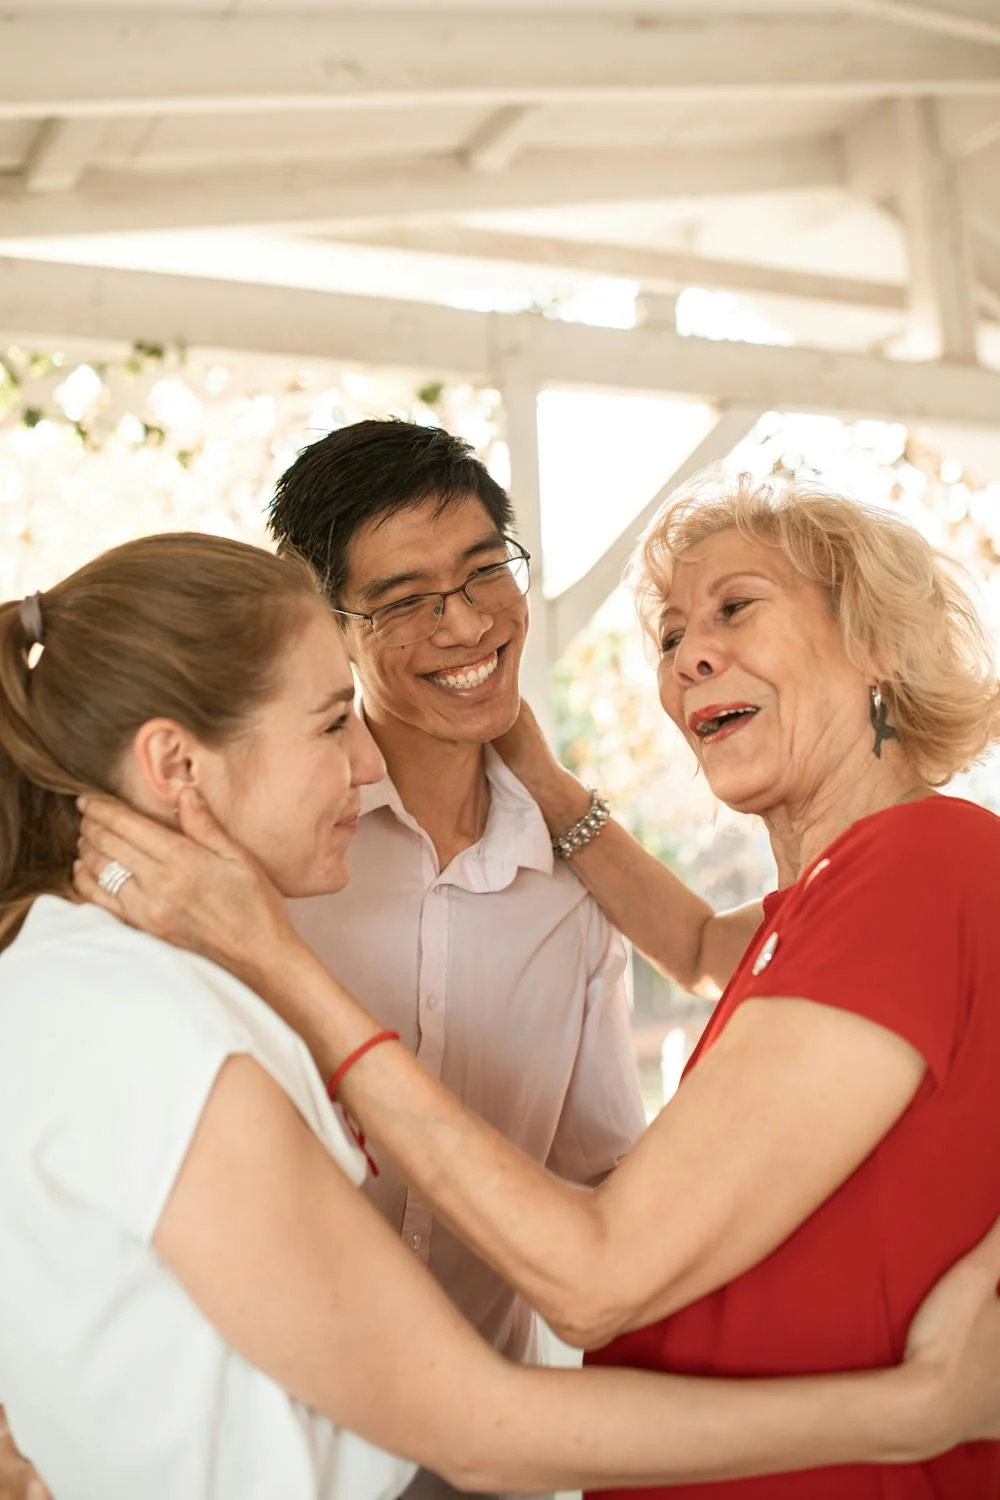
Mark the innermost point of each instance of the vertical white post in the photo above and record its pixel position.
(520, 396)
(942, 287)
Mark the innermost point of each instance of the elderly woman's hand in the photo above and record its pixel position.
(527, 752)
(194, 888)
(560, 797)
(18, 1480)
(955, 1340)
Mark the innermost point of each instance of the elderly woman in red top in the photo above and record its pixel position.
(835, 1143)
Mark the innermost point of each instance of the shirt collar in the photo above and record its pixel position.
(515, 836)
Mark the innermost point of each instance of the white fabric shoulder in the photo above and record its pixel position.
(110, 1044)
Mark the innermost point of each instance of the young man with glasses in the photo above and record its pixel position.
(460, 927)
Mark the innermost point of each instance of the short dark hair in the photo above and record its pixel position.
(367, 472)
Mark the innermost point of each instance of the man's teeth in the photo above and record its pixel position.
(469, 676)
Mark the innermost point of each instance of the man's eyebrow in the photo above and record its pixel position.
(342, 695)
(720, 583)
(377, 588)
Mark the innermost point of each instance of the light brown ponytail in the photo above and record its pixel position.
(182, 625)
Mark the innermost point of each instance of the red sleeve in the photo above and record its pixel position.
(877, 930)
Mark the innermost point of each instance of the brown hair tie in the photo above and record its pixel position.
(30, 613)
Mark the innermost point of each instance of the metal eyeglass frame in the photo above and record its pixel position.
(443, 595)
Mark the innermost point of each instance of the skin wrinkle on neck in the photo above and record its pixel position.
(799, 833)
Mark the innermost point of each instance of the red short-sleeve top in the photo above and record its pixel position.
(898, 921)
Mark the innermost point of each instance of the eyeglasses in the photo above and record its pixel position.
(489, 590)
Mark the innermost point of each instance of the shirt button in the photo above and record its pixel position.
(433, 1003)
(416, 1240)
(765, 955)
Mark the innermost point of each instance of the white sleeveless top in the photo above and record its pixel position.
(115, 1383)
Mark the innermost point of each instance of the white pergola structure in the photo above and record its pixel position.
(834, 162)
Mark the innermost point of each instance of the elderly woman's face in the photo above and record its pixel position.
(754, 675)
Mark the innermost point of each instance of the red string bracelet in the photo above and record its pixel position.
(355, 1056)
(337, 1080)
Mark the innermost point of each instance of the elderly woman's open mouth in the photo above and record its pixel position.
(718, 721)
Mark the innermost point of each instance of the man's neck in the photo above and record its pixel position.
(441, 783)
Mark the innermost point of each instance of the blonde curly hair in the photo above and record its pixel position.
(895, 597)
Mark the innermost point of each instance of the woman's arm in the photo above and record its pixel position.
(298, 1272)
(785, 1106)
(18, 1480)
(675, 929)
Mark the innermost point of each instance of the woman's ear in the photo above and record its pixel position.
(165, 758)
(873, 667)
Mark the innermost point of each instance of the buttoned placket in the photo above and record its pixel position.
(490, 865)
(432, 998)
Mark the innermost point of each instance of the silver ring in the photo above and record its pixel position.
(113, 877)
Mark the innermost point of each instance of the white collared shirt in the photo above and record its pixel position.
(504, 977)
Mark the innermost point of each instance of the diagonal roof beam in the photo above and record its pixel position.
(657, 270)
(934, 18)
(58, 155)
(317, 194)
(499, 139)
(572, 610)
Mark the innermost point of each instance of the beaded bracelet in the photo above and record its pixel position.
(584, 829)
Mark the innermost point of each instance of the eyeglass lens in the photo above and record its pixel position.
(490, 591)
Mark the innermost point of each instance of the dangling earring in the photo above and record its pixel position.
(883, 730)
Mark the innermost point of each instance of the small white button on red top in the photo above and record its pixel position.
(765, 955)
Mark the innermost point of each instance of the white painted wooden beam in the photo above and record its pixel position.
(59, 154)
(145, 64)
(873, 152)
(876, 168)
(499, 139)
(987, 257)
(942, 296)
(780, 379)
(42, 301)
(990, 300)
(985, 221)
(317, 194)
(969, 126)
(657, 270)
(656, 310)
(571, 611)
(519, 386)
(935, 18)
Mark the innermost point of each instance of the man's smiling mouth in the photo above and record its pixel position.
(471, 675)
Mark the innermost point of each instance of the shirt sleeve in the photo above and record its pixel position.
(602, 1115)
(876, 930)
(117, 1052)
